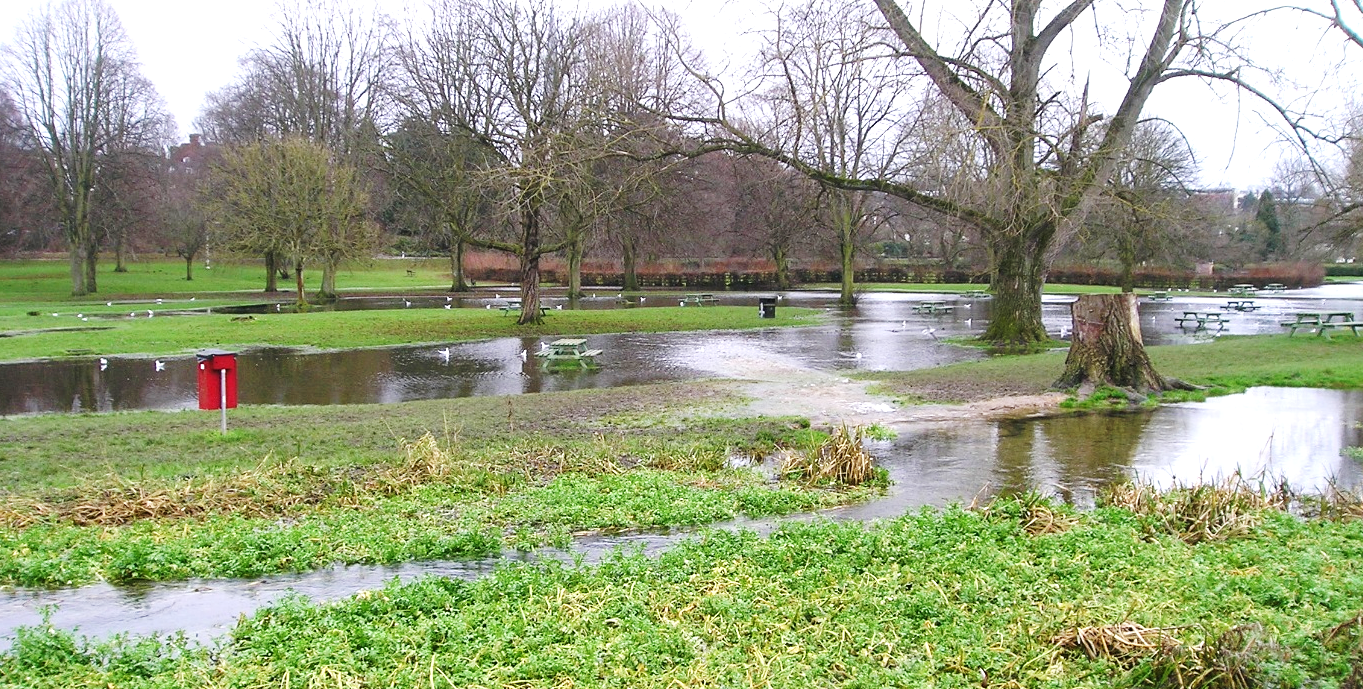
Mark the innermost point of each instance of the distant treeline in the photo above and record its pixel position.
(1291, 275)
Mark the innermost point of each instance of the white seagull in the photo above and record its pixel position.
(406, 303)
(447, 307)
(149, 313)
(160, 365)
(449, 299)
(558, 307)
(108, 303)
(158, 301)
(931, 332)
(103, 363)
(524, 354)
(444, 353)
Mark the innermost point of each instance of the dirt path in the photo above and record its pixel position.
(780, 386)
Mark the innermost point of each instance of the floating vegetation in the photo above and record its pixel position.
(842, 458)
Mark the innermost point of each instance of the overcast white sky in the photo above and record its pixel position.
(190, 48)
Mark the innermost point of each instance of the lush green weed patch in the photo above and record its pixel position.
(948, 599)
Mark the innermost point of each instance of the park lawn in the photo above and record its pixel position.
(37, 280)
(347, 329)
(1227, 364)
(367, 484)
(948, 598)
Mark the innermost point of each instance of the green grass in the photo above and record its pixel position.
(944, 599)
(346, 329)
(50, 280)
(1230, 363)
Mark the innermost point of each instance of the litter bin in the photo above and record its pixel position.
(766, 307)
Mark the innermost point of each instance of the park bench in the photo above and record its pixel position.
(1242, 290)
(975, 294)
(1275, 287)
(1159, 296)
(1240, 305)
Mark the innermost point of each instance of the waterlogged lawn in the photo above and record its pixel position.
(942, 599)
(431, 522)
(343, 329)
(140, 496)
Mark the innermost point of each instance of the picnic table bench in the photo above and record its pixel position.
(1275, 287)
(568, 351)
(1240, 305)
(514, 306)
(699, 299)
(935, 308)
(1243, 290)
(1322, 322)
(1200, 320)
(975, 294)
(1159, 296)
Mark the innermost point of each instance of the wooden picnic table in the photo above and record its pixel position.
(1275, 287)
(1159, 296)
(514, 306)
(1240, 305)
(935, 308)
(1322, 322)
(975, 294)
(568, 351)
(699, 299)
(1200, 320)
(1243, 290)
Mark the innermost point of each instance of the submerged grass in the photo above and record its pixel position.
(940, 598)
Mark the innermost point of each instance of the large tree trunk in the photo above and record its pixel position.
(298, 277)
(530, 263)
(189, 268)
(778, 256)
(1107, 349)
(91, 263)
(327, 290)
(271, 271)
(575, 252)
(629, 261)
(457, 267)
(847, 248)
(78, 270)
(1017, 279)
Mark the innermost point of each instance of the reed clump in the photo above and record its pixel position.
(1197, 514)
(269, 490)
(1155, 656)
(1037, 514)
(842, 458)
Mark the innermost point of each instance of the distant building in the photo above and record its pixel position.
(186, 159)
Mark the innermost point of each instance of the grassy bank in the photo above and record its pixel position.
(33, 337)
(1230, 364)
(156, 496)
(945, 599)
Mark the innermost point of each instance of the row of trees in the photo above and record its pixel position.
(517, 126)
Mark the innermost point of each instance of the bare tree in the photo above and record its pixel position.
(322, 78)
(1146, 212)
(74, 76)
(293, 198)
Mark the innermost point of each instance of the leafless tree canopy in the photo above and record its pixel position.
(75, 80)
